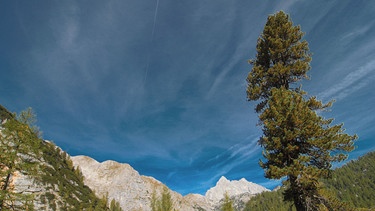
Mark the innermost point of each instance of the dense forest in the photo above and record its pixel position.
(353, 184)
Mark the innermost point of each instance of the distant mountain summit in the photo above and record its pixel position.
(233, 188)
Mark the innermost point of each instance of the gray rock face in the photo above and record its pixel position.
(119, 181)
(23, 184)
(124, 184)
(133, 191)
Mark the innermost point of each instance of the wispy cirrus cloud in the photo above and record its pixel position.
(359, 31)
(351, 83)
(286, 5)
(231, 158)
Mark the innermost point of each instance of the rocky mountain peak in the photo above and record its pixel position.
(232, 188)
(222, 181)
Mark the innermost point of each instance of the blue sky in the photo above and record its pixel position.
(160, 84)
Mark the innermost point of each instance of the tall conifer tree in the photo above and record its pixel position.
(227, 204)
(298, 143)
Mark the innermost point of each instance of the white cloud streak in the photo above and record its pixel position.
(351, 83)
(357, 32)
(223, 74)
(152, 40)
(239, 152)
(286, 5)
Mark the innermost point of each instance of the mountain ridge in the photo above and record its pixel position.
(119, 179)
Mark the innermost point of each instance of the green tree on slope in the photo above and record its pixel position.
(227, 204)
(162, 204)
(298, 143)
(114, 206)
(19, 146)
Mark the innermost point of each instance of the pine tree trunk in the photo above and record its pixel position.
(297, 197)
(299, 206)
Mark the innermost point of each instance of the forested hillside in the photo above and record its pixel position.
(353, 183)
(36, 174)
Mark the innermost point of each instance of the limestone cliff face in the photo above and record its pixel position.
(134, 191)
(124, 184)
(23, 184)
(120, 181)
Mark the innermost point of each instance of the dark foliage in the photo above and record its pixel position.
(5, 114)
